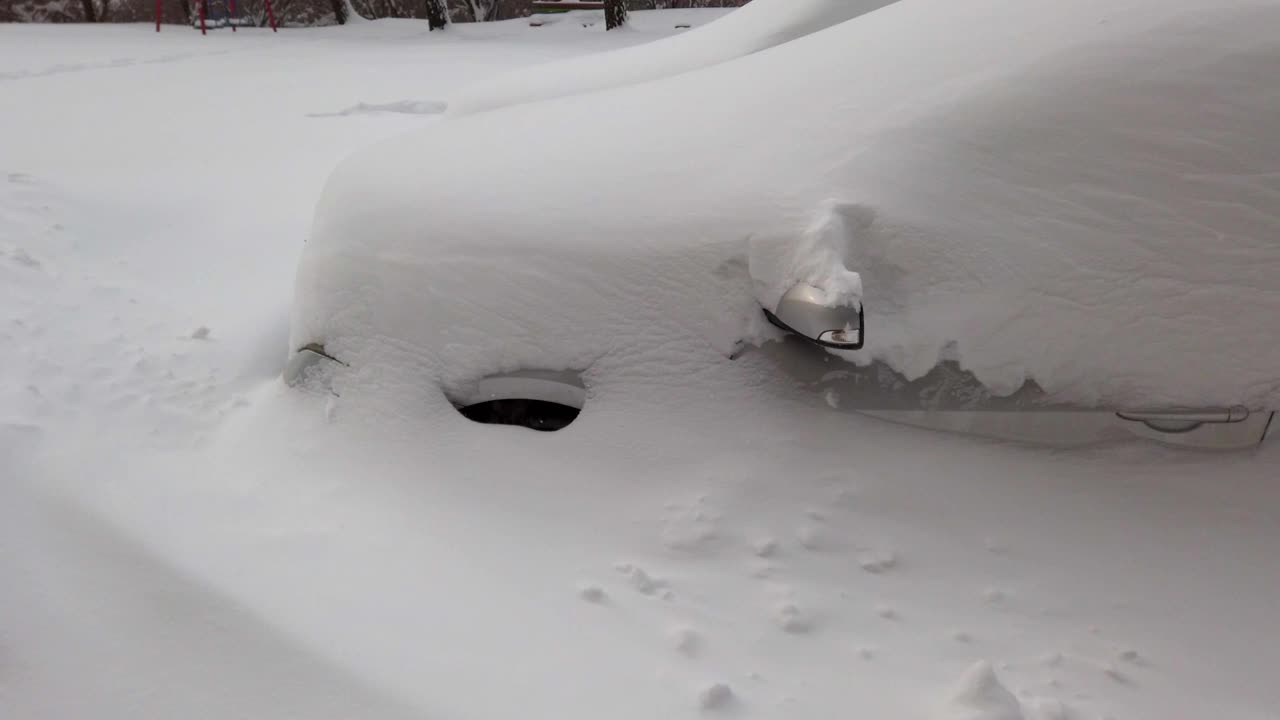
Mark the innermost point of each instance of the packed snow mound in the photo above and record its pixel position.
(754, 27)
(979, 695)
(1084, 194)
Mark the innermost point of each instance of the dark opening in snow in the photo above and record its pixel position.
(538, 399)
(534, 414)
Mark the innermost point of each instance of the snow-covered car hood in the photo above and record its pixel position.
(1083, 194)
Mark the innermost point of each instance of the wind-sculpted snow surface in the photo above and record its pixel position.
(1082, 193)
(182, 536)
(757, 26)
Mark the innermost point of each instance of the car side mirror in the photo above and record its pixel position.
(802, 311)
(309, 363)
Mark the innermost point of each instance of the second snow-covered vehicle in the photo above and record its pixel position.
(1049, 221)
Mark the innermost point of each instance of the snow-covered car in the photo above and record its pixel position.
(970, 211)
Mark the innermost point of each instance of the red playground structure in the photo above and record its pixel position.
(229, 7)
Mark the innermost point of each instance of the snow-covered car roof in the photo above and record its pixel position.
(1081, 193)
(759, 25)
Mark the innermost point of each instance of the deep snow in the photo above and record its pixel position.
(181, 536)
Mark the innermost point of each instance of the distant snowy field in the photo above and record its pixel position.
(180, 536)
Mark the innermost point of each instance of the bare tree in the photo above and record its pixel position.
(437, 15)
(615, 14)
(388, 8)
(287, 12)
(96, 10)
(483, 10)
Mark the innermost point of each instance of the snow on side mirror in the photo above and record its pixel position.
(803, 311)
(308, 363)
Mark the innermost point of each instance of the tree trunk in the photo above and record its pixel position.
(615, 14)
(339, 11)
(437, 15)
(90, 12)
(483, 10)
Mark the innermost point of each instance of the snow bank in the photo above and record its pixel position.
(759, 25)
(1083, 194)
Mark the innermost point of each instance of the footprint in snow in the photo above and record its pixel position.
(877, 561)
(643, 582)
(685, 640)
(402, 107)
(1116, 675)
(790, 618)
(21, 257)
(1133, 657)
(593, 594)
(764, 547)
(887, 612)
(689, 526)
(715, 696)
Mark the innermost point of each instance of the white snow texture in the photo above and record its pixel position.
(1082, 191)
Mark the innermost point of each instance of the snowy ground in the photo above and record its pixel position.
(180, 536)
